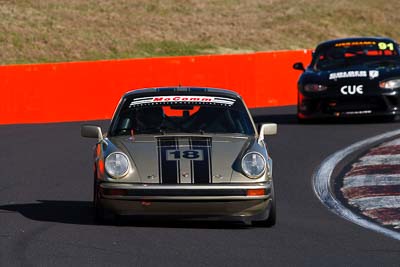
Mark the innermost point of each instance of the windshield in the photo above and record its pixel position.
(345, 54)
(182, 114)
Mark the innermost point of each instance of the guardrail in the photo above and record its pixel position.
(78, 91)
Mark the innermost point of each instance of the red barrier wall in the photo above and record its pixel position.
(90, 90)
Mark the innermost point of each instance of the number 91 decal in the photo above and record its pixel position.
(386, 46)
(194, 154)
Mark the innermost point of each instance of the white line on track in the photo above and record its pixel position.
(371, 180)
(322, 188)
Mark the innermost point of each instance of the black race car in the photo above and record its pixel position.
(350, 77)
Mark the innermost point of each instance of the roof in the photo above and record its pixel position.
(182, 90)
(354, 39)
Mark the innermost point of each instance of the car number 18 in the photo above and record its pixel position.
(194, 154)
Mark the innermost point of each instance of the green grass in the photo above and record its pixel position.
(171, 48)
(33, 31)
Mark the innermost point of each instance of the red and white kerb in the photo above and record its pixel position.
(182, 99)
(373, 184)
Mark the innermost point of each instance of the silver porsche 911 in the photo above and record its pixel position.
(183, 152)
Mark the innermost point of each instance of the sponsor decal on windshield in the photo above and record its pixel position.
(182, 100)
(381, 45)
(359, 43)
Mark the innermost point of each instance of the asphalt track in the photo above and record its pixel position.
(46, 188)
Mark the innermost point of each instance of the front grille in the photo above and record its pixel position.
(175, 192)
(354, 104)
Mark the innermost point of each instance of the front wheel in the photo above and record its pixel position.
(100, 214)
(271, 220)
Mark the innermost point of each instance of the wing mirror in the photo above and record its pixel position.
(299, 66)
(91, 131)
(267, 129)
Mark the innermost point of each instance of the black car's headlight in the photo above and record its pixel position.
(253, 165)
(313, 87)
(390, 84)
(117, 165)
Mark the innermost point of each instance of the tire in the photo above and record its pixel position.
(271, 220)
(100, 214)
(395, 118)
(306, 121)
(98, 211)
(301, 121)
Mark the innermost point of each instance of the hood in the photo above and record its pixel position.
(370, 72)
(183, 159)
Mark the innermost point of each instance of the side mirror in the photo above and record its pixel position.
(267, 129)
(91, 131)
(299, 66)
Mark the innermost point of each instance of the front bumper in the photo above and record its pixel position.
(226, 202)
(311, 107)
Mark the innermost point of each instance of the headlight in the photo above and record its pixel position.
(117, 165)
(253, 165)
(311, 87)
(390, 84)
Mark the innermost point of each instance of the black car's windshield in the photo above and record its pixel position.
(347, 54)
(182, 114)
